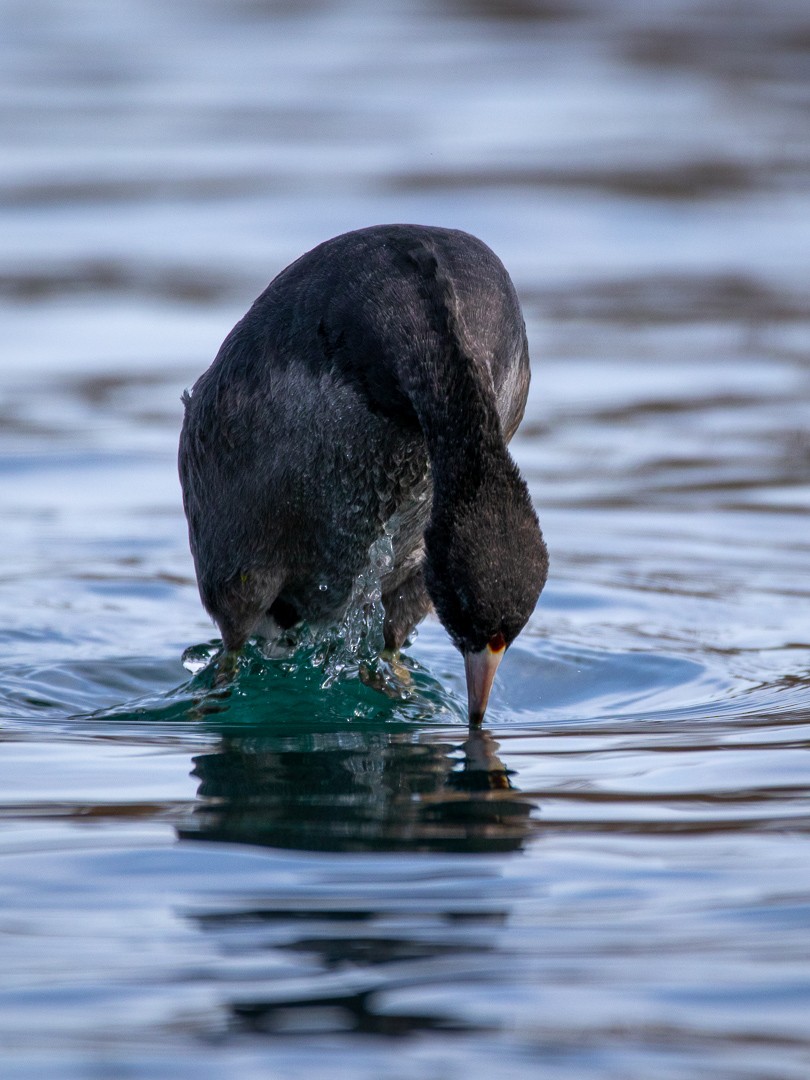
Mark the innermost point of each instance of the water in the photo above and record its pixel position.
(611, 880)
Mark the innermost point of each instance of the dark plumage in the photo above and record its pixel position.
(372, 386)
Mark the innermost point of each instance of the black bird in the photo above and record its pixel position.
(372, 387)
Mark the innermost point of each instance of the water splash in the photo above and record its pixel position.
(357, 641)
(350, 649)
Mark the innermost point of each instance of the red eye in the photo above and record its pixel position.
(497, 643)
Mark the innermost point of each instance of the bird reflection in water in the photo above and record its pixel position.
(314, 781)
(359, 790)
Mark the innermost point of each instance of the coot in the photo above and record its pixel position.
(371, 388)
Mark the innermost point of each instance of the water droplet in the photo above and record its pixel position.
(197, 657)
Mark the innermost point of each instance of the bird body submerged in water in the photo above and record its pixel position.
(370, 389)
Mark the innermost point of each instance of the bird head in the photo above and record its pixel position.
(486, 566)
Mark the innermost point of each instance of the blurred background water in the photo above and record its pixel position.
(612, 880)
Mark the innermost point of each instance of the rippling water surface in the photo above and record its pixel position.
(612, 879)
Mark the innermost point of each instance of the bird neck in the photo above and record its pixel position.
(459, 419)
(451, 390)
